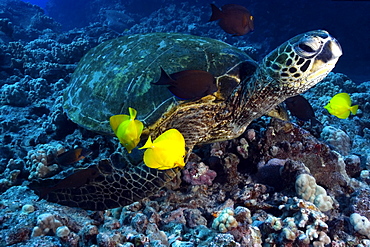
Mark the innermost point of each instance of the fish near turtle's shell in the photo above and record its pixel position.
(118, 73)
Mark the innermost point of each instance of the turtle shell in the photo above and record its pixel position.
(118, 73)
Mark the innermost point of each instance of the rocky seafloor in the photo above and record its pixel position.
(279, 184)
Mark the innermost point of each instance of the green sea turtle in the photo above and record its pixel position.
(117, 74)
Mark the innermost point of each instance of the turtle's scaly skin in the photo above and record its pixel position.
(114, 187)
(291, 69)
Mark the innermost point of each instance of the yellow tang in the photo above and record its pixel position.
(340, 106)
(127, 129)
(166, 152)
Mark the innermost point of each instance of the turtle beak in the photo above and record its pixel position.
(336, 51)
(335, 48)
(330, 52)
(326, 60)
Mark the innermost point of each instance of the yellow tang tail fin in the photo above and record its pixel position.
(354, 109)
(116, 120)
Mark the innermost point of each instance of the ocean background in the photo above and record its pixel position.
(274, 21)
(41, 43)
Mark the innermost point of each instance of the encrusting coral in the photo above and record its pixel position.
(303, 223)
(225, 221)
(11, 173)
(46, 224)
(337, 138)
(198, 174)
(325, 165)
(361, 224)
(41, 162)
(308, 190)
(36, 60)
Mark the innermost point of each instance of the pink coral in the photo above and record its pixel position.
(251, 135)
(197, 173)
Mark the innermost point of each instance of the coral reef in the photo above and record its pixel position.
(361, 224)
(225, 221)
(46, 224)
(278, 184)
(41, 162)
(337, 138)
(286, 140)
(14, 169)
(197, 173)
(308, 190)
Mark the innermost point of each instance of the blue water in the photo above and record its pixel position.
(41, 3)
(275, 22)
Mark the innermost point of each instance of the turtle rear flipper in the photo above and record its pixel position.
(109, 188)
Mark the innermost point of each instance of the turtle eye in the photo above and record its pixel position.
(306, 48)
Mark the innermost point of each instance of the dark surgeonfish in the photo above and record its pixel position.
(301, 109)
(188, 84)
(72, 156)
(234, 19)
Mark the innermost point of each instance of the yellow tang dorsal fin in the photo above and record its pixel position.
(132, 112)
(342, 99)
(116, 120)
(138, 124)
(172, 135)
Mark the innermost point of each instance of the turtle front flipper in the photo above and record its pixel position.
(104, 186)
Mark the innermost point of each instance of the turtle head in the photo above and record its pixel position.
(303, 61)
